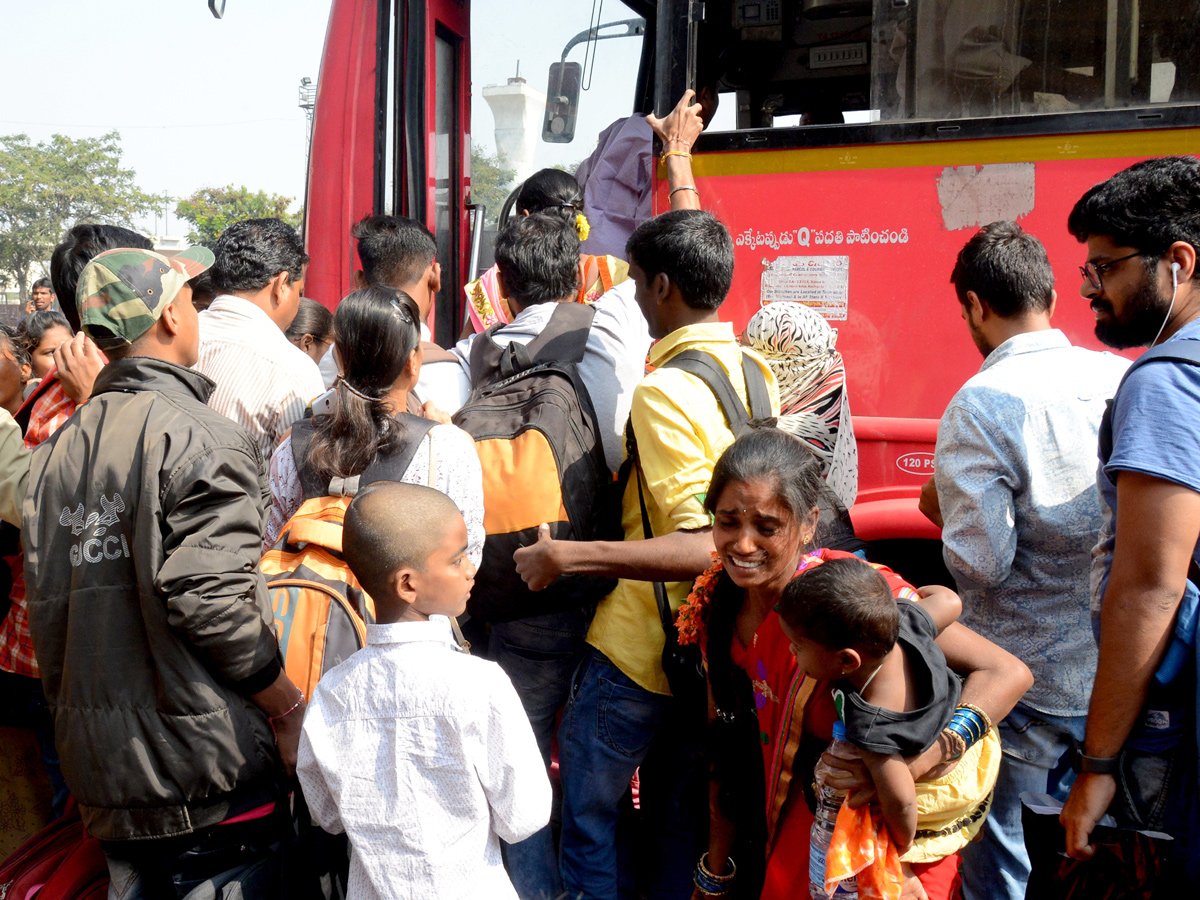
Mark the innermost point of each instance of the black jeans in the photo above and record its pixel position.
(23, 705)
(239, 860)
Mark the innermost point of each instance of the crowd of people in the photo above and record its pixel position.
(628, 688)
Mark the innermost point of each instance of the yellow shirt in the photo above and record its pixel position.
(681, 432)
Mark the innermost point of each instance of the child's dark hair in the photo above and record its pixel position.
(844, 603)
(34, 326)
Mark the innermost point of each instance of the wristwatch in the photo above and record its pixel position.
(1093, 765)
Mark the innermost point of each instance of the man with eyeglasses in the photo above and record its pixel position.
(1014, 471)
(1138, 759)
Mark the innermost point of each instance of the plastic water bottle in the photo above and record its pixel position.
(829, 801)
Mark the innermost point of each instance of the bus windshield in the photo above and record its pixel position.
(514, 46)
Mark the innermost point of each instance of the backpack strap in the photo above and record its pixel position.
(756, 388)
(1184, 351)
(390, 467)
(708, 370)
(485, 356)
(302, 432)
(563, 340)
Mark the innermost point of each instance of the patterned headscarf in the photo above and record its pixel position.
(799, 347)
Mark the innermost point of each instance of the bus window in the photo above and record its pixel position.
(822, 59)
(514, 46)
(1011, 57)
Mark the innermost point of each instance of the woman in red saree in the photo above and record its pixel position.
(770, 722)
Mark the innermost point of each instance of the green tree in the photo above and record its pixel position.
(569, 168)
(47, 187)
(490, 181)
(209, 210)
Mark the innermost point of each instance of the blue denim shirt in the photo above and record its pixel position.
(1015, 467)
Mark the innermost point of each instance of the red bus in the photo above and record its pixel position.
(1018, 107)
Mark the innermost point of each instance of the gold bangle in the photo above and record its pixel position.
(679, 153)
(723, 879)
(957, 741)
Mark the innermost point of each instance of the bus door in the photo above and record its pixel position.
(390, 136)
(422, 140)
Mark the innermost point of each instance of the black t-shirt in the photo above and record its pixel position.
(938, 689)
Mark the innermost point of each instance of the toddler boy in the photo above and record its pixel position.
(421, 753)
(896, 695)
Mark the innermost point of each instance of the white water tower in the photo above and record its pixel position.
(517, 109)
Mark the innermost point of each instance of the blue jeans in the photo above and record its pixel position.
(539, 654)
(1036, 745)
(610, 728)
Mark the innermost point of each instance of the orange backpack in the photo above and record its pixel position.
(321, 611)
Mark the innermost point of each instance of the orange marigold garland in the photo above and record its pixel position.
(692, 618)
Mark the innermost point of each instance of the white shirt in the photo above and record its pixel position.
(614, 360)
(1016, 480)
(445, 384)
(425, 758)
(264, 381)
(450, 452)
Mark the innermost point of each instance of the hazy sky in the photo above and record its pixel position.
(197, 101)
(201, 102)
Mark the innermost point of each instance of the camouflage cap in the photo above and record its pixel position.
(125, 291)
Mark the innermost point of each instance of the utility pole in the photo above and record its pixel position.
(308, 102)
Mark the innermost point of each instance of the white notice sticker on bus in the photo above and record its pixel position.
(821, 283)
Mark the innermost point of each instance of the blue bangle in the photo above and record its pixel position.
(969, 725)
(961, 731)
(970, 729)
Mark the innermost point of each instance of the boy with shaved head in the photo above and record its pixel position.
(421, 753)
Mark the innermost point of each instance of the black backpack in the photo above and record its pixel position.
(542, 456)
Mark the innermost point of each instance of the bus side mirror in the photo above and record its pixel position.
(562, 102)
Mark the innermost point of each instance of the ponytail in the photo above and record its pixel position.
(376, 332)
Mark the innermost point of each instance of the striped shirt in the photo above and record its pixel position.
(264, 381)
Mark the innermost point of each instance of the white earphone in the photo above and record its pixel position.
(1170, 309)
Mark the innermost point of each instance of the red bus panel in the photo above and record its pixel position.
(869, 234)
(341, 169)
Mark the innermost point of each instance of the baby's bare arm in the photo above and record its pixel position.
(942, 604)
(897, 795)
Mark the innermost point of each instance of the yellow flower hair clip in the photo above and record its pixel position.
(582, 228)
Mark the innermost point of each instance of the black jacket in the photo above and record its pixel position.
(143, 526)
